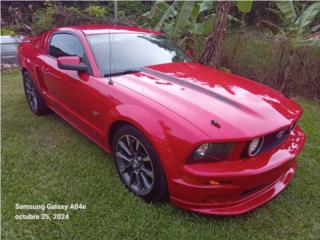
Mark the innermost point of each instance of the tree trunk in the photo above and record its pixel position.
(214, 44)
(288, 78)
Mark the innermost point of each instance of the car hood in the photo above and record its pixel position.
(241, 108)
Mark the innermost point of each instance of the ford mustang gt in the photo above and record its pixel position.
(210, 141)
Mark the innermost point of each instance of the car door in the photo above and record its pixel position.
(72, 93)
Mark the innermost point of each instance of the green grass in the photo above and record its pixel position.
(44, 160)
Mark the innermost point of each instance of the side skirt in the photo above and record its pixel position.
(77, 126)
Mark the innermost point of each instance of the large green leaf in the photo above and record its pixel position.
(171, 12)
(200, 7)
(183, 18)
(244, 6)
(195, 12)
(287, 8)
(205, 5)
(206, 26)
(157, 8)
(307, 17)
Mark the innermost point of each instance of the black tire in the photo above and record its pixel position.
(35, 101)
(149, 159)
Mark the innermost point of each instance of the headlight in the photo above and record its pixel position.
(212, 152)
(255, 146)
(201, 150)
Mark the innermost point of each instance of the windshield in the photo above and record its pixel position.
(133, 51)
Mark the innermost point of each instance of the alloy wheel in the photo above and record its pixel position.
(31, 93)
(134, 165)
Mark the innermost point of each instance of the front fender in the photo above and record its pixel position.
(147, 123)
(142, 120)
(171, 136)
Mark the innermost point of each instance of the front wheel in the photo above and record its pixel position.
(138, 164)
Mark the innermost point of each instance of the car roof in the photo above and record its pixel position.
(98, 29)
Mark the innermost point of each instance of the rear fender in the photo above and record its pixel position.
(29, 61)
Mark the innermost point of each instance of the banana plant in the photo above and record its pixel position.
(294, 33)
(296, 21)
(178, 16)
(244, 6)
(183, 21)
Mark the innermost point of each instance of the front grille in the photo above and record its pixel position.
(270, 141)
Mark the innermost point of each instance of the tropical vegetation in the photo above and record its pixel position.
(288, 29)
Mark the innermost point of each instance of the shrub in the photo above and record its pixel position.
(5, 31)
(96, 11)
(44, 18)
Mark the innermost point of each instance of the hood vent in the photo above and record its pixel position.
(215, 123)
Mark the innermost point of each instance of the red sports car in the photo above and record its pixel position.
(211, 141)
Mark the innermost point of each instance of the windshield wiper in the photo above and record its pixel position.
(122, 72)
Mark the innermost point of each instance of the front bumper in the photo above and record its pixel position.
(239, 186)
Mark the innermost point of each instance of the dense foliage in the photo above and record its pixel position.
(290, 29)
(184, 21)
(294, 32)
(36, 17)
(292, 26)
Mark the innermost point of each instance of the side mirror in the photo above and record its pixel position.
(71, 63)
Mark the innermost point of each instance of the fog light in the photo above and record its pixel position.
(194, 180)
(255, 146)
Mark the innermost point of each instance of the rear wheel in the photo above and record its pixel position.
(35, 101)
(138, 164)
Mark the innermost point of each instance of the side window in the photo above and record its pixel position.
(63, 44)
